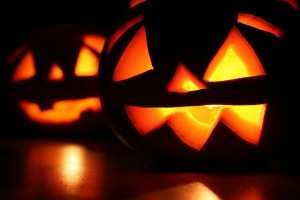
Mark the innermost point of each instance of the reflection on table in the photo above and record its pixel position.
(85, 169)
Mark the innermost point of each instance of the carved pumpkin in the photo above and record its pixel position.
(52, 80)
(197, 81)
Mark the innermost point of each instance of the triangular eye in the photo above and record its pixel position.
(135, 59)
(235, 59)
(184, 81)
(55, 73)
(87, 63)
(26, 68)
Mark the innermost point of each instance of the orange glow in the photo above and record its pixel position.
(259, 23)
(120, 32)
(235, 59)
(55, 73)
(252, 193)
(191, 191)
(148, 119)
(133, 3)
(96, 42)
(246, 121)
(63, 112)
(194, 124)
(293, 3)
(87, 63)
(25, 69)
(135, 59)
(184, 81)
(72, 164)
(67, 168)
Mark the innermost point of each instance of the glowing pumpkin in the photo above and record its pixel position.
(197, 81)
(52, 80)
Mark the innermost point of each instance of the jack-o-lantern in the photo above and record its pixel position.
(52, 81)
(198, 81)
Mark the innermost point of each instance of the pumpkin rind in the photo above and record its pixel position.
(52, 82)
(138, 75)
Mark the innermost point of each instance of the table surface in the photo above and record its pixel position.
(86, 169)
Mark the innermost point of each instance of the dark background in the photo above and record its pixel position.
(20, 18)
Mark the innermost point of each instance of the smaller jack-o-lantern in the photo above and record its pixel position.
(198, 81)
(51, 81)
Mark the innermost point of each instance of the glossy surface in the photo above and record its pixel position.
(106, 169)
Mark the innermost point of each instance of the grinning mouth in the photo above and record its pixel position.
(59, 102)
(194, 124)
(62, 112)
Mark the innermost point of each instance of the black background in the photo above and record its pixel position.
(19, 19)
